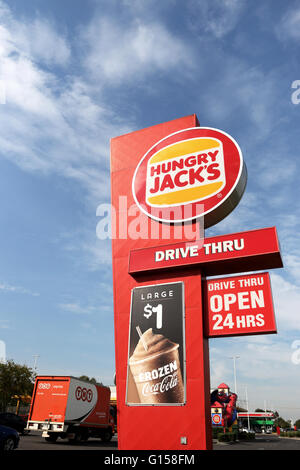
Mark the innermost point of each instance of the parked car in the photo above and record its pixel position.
(13, 421)
(247, 430)
(9, 438)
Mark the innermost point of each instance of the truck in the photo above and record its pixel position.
(69, 408)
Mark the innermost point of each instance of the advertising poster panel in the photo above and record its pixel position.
(156, 352)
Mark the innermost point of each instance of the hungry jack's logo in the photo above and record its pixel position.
(190, 174)
(185, 172)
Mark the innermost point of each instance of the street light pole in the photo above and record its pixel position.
(246, 392)
(234, 371)
(36, 356)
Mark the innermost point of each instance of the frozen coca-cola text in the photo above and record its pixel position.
(169, 382)
(158, 373)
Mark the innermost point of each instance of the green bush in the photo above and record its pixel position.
(215, 432)
(227, 437)
(246, 436)
(290, 434)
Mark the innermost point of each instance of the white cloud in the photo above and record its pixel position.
(248, 214)
(16, 289)
(98, 253)
(292, 264)
(286, 296)
(283, 167)
(63, 126)
(289, 27)
(248, 93)
(49, 124)
(117, 52)
(41, 41)
(5, 325)
(217, 18)
(38, 38)
(85, 249)
(77, 308)
(220, 368)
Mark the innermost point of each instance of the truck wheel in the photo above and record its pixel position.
(76, 439)
(106, 435)
(84, 436)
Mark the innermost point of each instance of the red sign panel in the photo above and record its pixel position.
(255, 415)
(225, 254)
(240, 305)
(157, 427)
(188, 174)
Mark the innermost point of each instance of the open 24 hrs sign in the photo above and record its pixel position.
(240, 305)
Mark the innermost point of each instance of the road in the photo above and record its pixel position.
(262, 442)
(34, 441)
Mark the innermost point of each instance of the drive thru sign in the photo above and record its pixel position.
(240, 305)
(173, 172)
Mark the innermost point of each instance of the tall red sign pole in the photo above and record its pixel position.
(173, 173)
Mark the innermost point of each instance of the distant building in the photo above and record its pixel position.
(113, 394)
(259, 421)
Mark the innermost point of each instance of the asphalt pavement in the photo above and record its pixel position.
(262, 442)
(34, 441)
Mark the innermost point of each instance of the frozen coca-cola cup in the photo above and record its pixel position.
(155, 366)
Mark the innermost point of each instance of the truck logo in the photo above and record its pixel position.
(44, 386)
(83, 394)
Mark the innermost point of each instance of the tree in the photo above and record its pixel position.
(15, 379)
(91, 380)
(282, 423)
(260, 410)
(297, 424)
(239, 409)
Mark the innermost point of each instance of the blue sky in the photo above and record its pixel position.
(76, 73)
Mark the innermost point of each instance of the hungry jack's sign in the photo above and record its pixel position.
(200, 167)
(177, 172)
